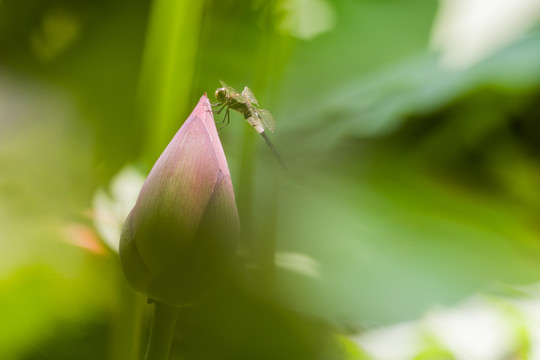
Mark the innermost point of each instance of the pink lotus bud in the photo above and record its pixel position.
(180, 238)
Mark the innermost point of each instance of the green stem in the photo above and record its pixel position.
(162, 331)
(128, 316)
(260, 247)
(167, 69)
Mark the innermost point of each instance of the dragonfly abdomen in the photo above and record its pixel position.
(254, 121)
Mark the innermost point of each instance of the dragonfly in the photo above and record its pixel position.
(247, 105)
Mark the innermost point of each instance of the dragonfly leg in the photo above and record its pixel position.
(221, 122)
(226, 119)
(220, 109)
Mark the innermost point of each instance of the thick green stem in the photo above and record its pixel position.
(167, 70)
(162, 331)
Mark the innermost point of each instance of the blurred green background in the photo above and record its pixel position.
(413, 182)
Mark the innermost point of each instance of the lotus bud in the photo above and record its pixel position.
(180, 238)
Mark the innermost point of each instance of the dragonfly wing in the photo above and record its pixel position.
(230, 89)
(267, 119)
(248, 94)
(274, 151)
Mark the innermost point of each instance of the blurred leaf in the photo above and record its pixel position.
(38, 301)
(379, 103)
(392, 243)
(351, 350)
(369, 36)
(305, 19)
(435, 354)
(48, 283)
(59, 29)
(242, 325)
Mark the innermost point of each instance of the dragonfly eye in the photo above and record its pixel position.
(221, 94)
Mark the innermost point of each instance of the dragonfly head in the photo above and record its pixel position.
(221, 94)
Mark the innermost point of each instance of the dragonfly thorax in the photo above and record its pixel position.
(242, 107)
